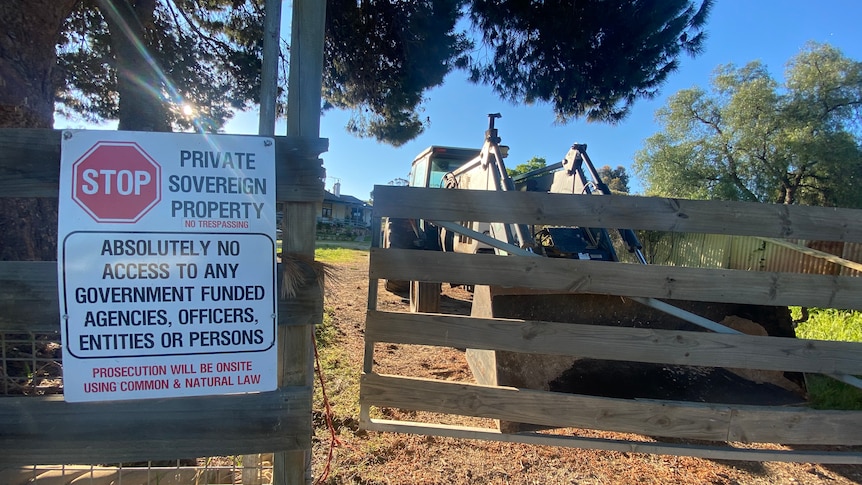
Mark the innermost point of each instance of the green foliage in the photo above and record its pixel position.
(380, 57)
(144, 62)
(617, 179)
(587, 58)
(831, 324)
(534, 163)
(751, 138)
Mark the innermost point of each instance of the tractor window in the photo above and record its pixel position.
(439, 168)
(417, 173)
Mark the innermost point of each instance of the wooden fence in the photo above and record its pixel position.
(49, 430)
(716, 423)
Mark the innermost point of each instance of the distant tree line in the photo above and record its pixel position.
(617, 179)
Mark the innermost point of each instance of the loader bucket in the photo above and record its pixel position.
(622, 379)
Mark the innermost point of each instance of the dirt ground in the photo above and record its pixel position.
(389, 458)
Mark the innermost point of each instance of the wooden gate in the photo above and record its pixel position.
(717, 424)
(47, 429)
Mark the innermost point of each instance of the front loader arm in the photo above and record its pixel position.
(488, 172)
(572, 179)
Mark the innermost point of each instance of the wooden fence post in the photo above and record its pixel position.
(303, 119)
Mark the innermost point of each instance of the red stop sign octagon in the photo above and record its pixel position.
(116, 182)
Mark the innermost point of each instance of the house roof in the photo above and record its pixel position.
(343, 199)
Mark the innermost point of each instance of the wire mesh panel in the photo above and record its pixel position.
(31, 364)
(202, 471)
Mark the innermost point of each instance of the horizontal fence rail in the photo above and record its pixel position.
(599, 277)
(655, 418)
(716, 423)
(630, 212)
(623, 446)
(617, 343)
(30, 165)
(153, 429)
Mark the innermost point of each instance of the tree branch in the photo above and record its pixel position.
(212, 41)
(734, 174)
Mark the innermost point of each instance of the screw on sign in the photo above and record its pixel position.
(116, 182)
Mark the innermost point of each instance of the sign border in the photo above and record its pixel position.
(65, 315)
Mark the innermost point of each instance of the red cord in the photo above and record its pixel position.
(334, 441)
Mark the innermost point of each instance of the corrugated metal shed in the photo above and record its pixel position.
(746, 253)
(853, 252)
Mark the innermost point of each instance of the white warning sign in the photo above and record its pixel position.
(166, 265)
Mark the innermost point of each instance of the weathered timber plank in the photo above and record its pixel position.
(303, 119)
(29, 299)
(616, 343)
(598, 277)
(546, 408)
(50, 430)
(29, 162)
(295, 346)
(653, 418)
(623, 446)
(632, 212)
(30, 165)
(790, 426)
(305, 307)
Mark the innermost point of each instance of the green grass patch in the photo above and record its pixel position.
(342, 387)
(341, 377)
(827, 393)
(336, 255)
(340, 374)
(831, 324)
(326, 334)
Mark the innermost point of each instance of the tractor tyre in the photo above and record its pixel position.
(398, 234)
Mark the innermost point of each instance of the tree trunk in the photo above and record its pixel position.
(28, 60)
(28, 229)
(28, 70)
(141, 83)
(788, 195)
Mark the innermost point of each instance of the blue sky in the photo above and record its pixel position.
(739, 31)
